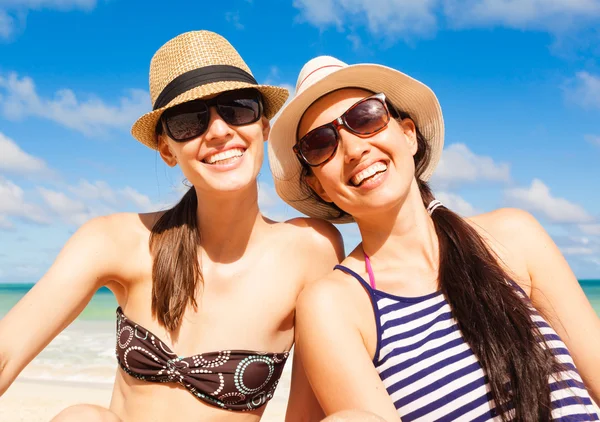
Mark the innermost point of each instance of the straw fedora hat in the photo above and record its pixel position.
(194, 65)
(325, 74)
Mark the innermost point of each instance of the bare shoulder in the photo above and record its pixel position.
(120, 237)
(316, 235)
(512, 234)
(509, 226)
(506, 220)
(120, 227)
(328, 299)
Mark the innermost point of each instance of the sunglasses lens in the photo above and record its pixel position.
(188, 121)
(240, 108)
(367, 117)
(319, 145)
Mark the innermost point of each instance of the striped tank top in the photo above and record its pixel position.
(431, 373)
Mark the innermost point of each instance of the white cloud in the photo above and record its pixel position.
(72, 211)
(405, 18)
(90, 200)
(5, 223)
(593, 260)
(26, 271)
(584, 90)
(8, 26)
(141, 201)
(459, 165)
(13, 204)
(591, 229)
(551, 15)
(355, 41)
(14, 160)
(593, 139)
(19, 99)
(273, 76)
(577, 251)
(99, 190)
(267, 196)
(538, 199)
(457, 204)
(383, 17)
(318, 12)
(48, 4)
(234, 19)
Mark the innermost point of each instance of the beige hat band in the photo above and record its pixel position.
(198, 77)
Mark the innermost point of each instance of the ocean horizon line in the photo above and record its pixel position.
(24, 286)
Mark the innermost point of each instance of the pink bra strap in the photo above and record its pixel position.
(370, 271)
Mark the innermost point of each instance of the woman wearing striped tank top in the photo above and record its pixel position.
(433, 317)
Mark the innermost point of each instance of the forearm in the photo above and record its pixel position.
(594, 389)
(309, 411)
(8, 373)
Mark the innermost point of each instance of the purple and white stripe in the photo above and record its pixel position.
(431, 373)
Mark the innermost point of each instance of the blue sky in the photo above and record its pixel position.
(518, 80)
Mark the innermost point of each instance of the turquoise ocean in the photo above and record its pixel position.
(84, 351)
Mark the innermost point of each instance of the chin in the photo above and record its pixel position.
(381, 201)
(231, 183)
(226, 181)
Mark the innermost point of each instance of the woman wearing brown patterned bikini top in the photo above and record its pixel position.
(207, 289)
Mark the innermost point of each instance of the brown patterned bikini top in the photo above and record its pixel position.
(231, 379)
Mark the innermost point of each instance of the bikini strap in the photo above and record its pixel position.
(370, 270)
(371, 284)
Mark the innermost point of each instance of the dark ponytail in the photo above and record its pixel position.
(494, 319)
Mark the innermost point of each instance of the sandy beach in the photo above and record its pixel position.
(18, 404)
(39, 401)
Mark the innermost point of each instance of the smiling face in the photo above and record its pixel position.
(225, 158)
(367, 172)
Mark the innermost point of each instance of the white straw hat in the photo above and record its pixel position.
(323, 75)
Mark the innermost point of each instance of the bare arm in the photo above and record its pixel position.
(334, 355)
(323, 249)
(302, 406)
(558, 295)
(86, 263)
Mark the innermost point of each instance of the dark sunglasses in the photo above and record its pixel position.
(190, 120)
(366, 117)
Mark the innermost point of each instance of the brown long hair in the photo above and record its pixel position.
(494, 320)
(176, 273)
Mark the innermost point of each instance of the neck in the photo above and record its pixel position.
(227, 221)
(403, 235)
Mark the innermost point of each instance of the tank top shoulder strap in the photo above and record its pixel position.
(353, 274)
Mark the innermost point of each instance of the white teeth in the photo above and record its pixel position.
(374, 168)
(230, 153)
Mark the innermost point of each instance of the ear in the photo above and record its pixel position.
(266, 128)
(316, 186)
(410, 133)
(165, 151)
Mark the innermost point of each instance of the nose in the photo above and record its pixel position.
(354, 146)
(217, 127)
